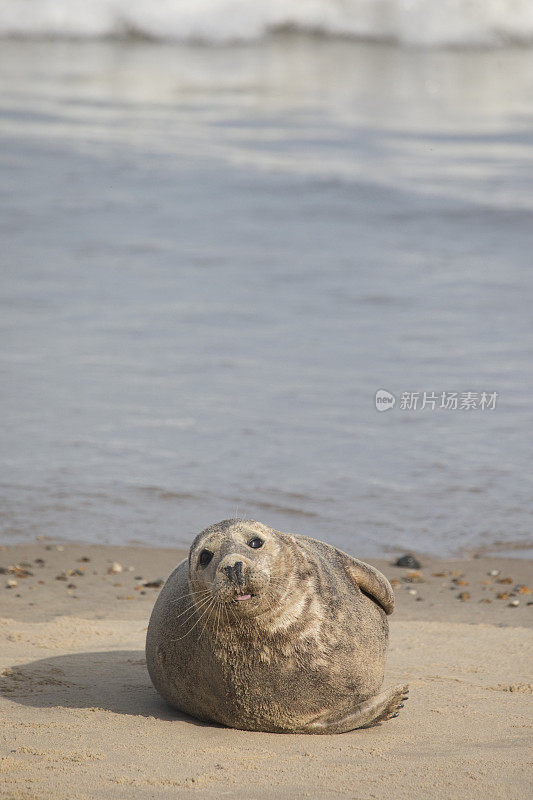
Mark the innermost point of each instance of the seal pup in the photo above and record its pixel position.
(268, 631)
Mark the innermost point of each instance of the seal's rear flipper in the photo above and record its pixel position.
(376, 709)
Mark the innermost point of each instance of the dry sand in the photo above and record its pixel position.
(80, 719)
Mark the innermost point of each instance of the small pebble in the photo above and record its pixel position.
(61, 577)
(71, 586)
(40, 562)
(84, 559)
(114, 568)
(19, 571)
(524, 590)
(154, 584)
(514, 603)
(505, 580)
(413, 591)
(485, 600)
(407, 561)
(60, 548)
(463, 596)
(439, 574)
(503, 595)
(11, 584)
(494, 573)
(459, 582)
(414, 577)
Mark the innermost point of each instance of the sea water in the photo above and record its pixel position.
(213, 257)
(422, 22)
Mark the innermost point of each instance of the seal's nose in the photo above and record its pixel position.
(234, 572)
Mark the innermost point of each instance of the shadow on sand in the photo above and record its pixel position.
(113, 680)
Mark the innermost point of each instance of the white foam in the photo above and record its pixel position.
(419, 22)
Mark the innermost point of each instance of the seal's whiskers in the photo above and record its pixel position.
(200, 604)
(189, 594)
(202, 615)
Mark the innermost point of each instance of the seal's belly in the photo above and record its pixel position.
(265, 688)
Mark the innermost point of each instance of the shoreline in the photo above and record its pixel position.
(80, 718)
(512, 550)
(61, 585)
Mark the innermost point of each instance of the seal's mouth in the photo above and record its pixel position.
(239, 598)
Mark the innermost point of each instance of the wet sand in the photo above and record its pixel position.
(80, 719)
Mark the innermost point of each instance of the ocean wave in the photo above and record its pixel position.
(413, 22)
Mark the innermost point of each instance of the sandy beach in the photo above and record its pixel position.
(275, 265)
(80, 719)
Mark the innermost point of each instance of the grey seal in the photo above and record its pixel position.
(268, 631)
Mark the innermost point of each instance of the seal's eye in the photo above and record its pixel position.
(205, 558)
(256, 543)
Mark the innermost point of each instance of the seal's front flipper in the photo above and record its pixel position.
(368, 579)
(376, 709)
(372, 582)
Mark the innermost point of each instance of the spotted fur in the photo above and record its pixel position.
(306, 651)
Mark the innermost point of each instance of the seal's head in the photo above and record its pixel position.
(239, 562)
